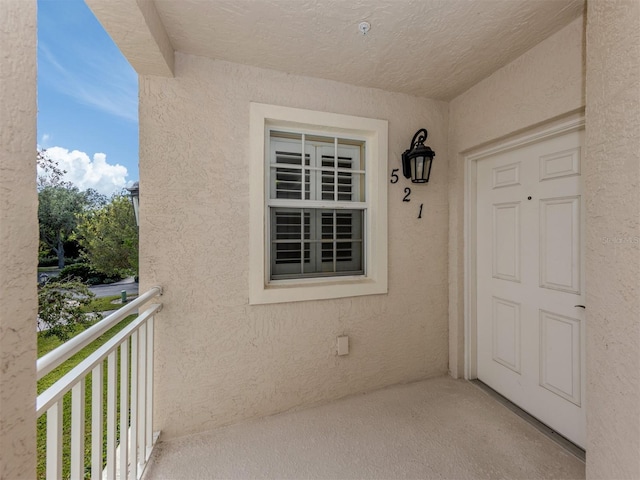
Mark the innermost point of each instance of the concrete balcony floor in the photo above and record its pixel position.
(438, 428)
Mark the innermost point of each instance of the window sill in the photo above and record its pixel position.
(281, 291)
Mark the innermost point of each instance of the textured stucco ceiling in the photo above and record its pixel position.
(431, 48)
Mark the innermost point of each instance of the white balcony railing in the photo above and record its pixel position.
(128, 447)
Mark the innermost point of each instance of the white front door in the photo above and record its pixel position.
(530, 279)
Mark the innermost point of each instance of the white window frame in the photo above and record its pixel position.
(374, 132)
(316, 204)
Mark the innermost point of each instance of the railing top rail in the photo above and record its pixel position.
(53, 359)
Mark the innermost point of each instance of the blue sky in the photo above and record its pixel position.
(87, 98)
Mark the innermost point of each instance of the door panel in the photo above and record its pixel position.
(506, 175)
(531, 339)
(560, 244)
(506, 333)
(560, 164)
(560, 355)
(506, 241)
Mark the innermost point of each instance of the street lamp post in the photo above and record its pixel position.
(134, 192)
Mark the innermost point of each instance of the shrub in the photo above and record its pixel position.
(83, 272)
(60, 307)
(48, 261)
(78, 271)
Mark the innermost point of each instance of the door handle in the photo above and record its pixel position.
(581, 306)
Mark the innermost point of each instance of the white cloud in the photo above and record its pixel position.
(85, 172)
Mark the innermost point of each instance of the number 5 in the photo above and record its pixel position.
(394, 175)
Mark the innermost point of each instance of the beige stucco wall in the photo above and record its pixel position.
(612, 188)
(18, 238)
(545, 83)
(220, 360)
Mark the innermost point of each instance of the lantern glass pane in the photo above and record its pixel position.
(420, 168)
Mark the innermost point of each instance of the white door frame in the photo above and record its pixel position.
(470, 227)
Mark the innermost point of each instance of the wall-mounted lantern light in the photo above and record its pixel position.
(134, 192)
(417, 160)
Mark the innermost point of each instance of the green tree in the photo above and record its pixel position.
(49, 173)
(95, 199)
(58, 210)
(109, 237)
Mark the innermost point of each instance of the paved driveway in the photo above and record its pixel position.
(128, 285)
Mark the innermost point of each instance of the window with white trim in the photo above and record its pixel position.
(318, 223)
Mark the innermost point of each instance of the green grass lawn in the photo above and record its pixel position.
(104, 304)
(45, 345)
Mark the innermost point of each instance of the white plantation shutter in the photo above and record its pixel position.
(342, 241)
(286, 178)
(316, 209)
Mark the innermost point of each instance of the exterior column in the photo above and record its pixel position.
(18, 239)
(612, 186)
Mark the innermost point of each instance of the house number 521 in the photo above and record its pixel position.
(407, 190)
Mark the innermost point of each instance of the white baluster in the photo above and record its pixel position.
(77, 430)
(133, 453)
(54, 441)
(111, 416)
(124, 408)
(142, 390)
(149, 422)
(96, 422)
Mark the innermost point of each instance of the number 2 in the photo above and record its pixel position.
(407, 192)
